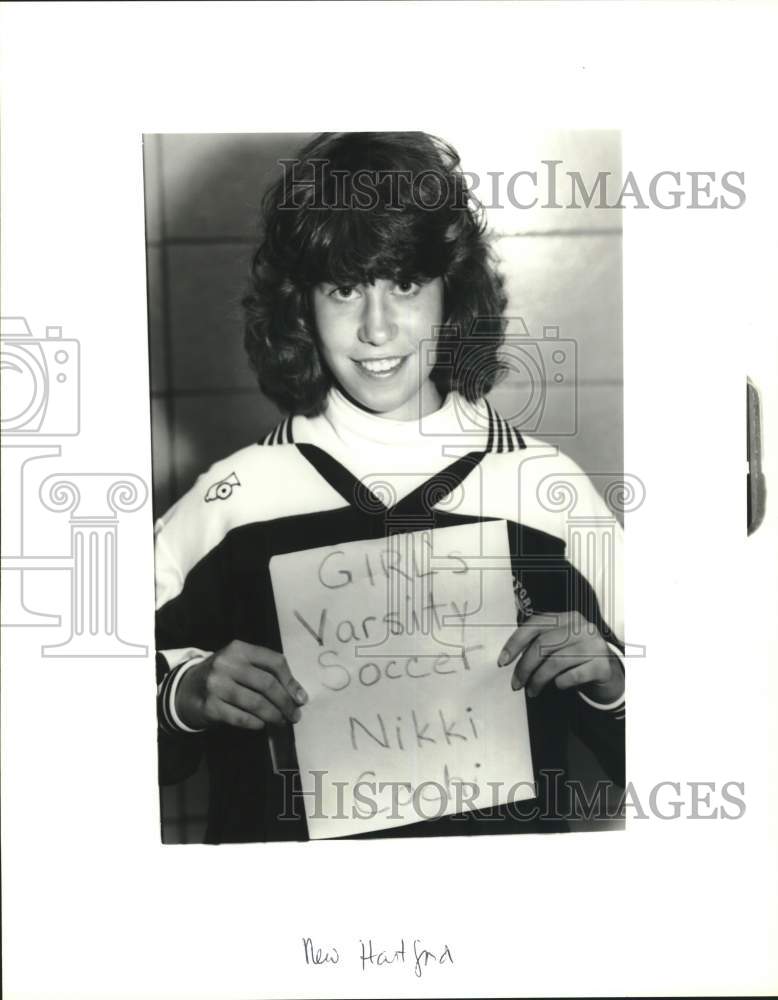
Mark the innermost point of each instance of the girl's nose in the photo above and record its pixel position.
(377, 325)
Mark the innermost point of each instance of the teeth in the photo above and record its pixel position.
(384, 365)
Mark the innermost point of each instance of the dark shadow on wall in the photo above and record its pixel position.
(203, 194)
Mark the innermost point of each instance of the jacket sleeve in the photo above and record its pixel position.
(191, 620)
(602, 729)
(594, 548)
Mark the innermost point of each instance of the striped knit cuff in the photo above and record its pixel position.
(610, 707)
(617, 707)
(169, 719)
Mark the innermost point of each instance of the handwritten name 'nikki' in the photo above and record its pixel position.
(371, 957)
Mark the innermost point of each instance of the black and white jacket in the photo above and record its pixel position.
(344, 476)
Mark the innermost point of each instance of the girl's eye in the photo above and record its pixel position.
(344, 293)
(406, 287)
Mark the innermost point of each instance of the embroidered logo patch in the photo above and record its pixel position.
(223, 489)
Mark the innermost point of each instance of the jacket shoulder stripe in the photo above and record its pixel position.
(502, 437)
(280, 434)
(520, 442)
(506, 435)
(490, 439)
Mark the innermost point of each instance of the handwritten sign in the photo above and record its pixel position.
(396, 641)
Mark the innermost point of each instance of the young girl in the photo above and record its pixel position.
(374, 318)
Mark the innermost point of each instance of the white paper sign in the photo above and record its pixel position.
(396, 642)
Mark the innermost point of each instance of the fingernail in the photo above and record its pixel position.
(503, 658)
(297, 715)
(515, 683)
(301, 697)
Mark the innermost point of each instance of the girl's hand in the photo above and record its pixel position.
(241, 685)
(563, 648)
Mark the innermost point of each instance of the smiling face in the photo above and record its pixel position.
(370, 337)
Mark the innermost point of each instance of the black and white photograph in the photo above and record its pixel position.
(387, 425)
(383, 613)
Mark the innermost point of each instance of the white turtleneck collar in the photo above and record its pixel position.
(358, 427)
(369, 444)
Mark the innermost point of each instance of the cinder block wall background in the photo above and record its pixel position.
(562, 268)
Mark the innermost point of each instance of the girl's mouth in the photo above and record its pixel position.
(380, 367)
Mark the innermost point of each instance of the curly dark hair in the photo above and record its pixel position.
(354, 207)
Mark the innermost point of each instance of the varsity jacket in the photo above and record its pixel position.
(346, 476)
